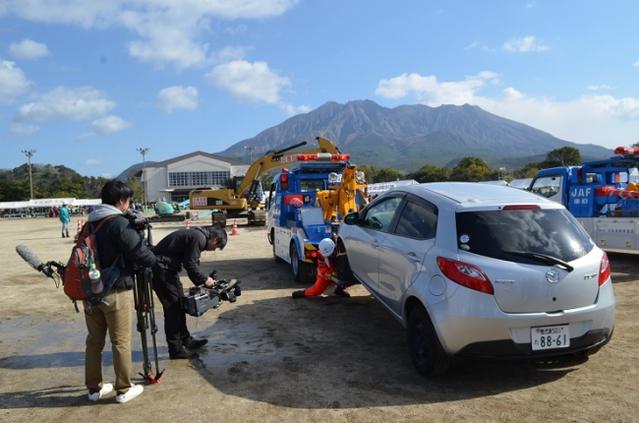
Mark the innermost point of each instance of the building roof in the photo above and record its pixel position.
(228, 160)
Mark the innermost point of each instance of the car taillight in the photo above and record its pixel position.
(604, 269)
(465, 274)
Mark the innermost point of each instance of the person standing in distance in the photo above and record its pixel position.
(65, 218)
(116, 240)
(182, 248)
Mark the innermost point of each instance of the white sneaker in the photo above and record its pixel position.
(133, 392)
(106, 389)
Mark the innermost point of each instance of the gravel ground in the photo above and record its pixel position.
(271, 358)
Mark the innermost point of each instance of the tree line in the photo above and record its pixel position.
(473, 169)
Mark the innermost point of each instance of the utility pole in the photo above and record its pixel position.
(29, 154)
(143, 151)
(250, 149)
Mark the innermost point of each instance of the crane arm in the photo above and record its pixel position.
(275, 159)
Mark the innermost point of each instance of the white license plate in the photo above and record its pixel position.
(550, 337)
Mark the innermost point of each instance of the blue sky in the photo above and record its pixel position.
(86, 82)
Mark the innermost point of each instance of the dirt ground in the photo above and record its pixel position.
(271, 358)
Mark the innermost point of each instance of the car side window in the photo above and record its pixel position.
(417, 220)
(380, 216)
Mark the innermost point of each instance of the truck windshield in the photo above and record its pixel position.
(554, 233)
(311, 185)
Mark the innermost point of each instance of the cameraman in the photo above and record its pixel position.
(117, 240)
(182, 248)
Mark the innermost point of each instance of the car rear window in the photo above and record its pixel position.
(552, 232)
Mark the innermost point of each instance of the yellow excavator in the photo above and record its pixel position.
(243, 198)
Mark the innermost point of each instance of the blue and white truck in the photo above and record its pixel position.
(603, 195)
(295, 220)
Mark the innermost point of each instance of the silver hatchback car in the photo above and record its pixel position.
(475, 270)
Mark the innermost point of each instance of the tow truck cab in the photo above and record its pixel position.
(295, 223)
(603, 195)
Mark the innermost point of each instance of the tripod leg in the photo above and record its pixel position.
(152, 325)
(141, 308)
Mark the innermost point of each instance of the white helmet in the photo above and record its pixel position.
(326, 247)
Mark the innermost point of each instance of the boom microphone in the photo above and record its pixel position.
(28, 256)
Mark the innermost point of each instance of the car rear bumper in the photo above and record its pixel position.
(507, 349)
(471, 323)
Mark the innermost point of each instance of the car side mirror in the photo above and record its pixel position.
(352, 218)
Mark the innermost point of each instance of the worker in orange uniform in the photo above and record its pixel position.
(326, 273)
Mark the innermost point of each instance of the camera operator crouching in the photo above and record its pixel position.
(182, 248)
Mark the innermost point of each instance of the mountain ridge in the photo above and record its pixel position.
(408, 136)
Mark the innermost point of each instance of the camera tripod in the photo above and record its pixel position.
(145, 310)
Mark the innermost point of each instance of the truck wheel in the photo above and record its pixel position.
(272, 241)
(426, 352)
(302, 272)
(344, 271)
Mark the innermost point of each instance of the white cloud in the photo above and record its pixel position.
(64, 103)
(23, 129)
(296, 110)
(29, 50)
(598, 87)
(250, 81)
(525, 45)
(178, 97)
(169, 30)
(429, 90)
(109, 124)
(592, 118)
(12, 82)
(636, 64)
(230, 53)
(92, 162)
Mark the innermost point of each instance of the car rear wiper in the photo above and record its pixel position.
(542, 258)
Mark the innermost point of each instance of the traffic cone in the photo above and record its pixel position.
(234, 228)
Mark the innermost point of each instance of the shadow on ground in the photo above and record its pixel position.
(339, 353)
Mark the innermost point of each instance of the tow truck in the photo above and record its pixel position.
(243, 197)
(603, 195)
(306, 204)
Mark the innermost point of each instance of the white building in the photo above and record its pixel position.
(173, 179)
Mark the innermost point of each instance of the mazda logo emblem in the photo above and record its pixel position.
(552, 276)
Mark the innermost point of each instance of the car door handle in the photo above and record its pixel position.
(413, 257)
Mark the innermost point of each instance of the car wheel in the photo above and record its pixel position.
(342, 265)
(426, 352)
(302, 272)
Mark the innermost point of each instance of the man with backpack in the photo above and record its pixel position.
(120, 247)
(182, 248)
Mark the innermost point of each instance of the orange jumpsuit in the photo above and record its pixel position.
(325, 269)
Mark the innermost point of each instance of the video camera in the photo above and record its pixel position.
(201, 299)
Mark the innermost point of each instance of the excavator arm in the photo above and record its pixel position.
(234, 199)
(275, 159)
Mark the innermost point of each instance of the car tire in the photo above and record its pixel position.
(426, 352)
(303, 272)
(342, 265)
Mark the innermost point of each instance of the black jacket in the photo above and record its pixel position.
(183, 248)
(118, 238)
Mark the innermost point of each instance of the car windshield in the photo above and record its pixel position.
(510, 235)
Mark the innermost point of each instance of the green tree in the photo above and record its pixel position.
(471, 169)
(380, 174)
(635, 144)
(564, 156)
(138, 189)
(430, 173)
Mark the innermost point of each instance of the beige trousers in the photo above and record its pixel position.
(116, 318)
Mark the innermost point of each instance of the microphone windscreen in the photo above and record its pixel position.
(28, 256)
